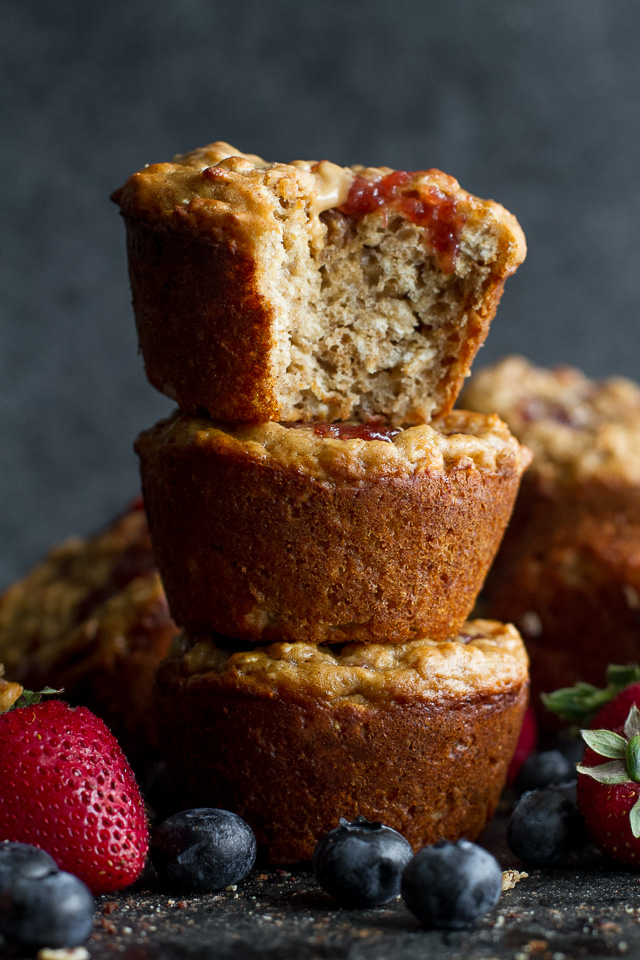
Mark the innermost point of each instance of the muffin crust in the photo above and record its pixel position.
(484, 657)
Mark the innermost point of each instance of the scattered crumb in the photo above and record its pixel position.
(511, 877)
(535, 946)
(232, 888)
(64, 953)
(109, 907)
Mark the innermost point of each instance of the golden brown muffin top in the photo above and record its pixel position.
(459, 441)
(485, 659)
(577, 428)
(219, 190)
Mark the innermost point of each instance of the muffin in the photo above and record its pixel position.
(308, 291)
(568, 572)
(293, 736)
(93, 619)
(327, 533)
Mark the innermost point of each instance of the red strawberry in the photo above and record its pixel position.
(66, 786)
(609, 793)
(526, 745)
(614, 713)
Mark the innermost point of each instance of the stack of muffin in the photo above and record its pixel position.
(321, 521)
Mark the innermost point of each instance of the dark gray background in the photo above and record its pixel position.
(532, 102)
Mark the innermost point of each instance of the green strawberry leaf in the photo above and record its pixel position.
(622, 676)
(606, 743)
(634, 819)
(611, 773)
(573, 703)
(632, 723)
(29, 698)
(579, 704)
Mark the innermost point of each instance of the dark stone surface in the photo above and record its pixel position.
(585, 908)
(533, 102)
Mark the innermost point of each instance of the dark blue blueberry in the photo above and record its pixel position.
(22, 861)
(360, 863)
(451, 885)
(545, 825)
(203, 849)
(544, 768)
(51, 911)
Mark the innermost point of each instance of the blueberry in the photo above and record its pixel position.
(22, 861)
(203, 849)
(360, 863)
(50, 911)
(543, 768)
(451, 885)
(545, 825)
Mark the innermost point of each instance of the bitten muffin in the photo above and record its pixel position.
(273, 291)
(93, 619)
(568, 572)
(317, 533)
(293, 736)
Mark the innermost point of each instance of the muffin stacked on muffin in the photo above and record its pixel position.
(315, 494)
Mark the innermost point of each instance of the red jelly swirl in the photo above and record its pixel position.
(427, 207)
(348, 431)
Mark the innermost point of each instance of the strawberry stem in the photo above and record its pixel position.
(579, 704)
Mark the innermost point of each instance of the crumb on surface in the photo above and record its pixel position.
(64, 953)
(511, 877)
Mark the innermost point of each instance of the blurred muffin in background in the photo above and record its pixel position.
(92, 618)
(568, 571)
